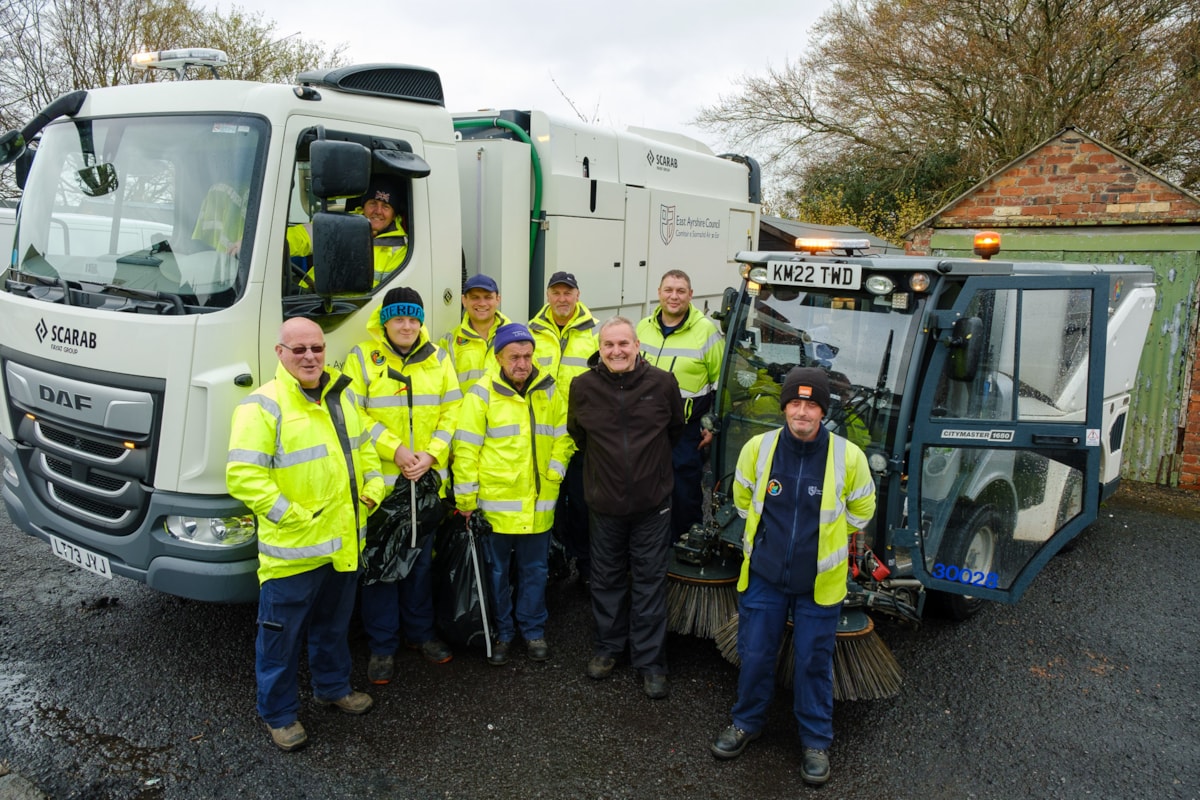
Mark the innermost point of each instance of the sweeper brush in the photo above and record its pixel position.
(863, 666)
(700, 598)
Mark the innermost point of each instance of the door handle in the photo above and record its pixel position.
(1055, 439)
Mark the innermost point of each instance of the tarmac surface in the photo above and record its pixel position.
(1087, 688)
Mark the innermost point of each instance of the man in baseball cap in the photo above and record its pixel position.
(470, 344)
(565, 331)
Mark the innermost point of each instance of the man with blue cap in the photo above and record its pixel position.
(470, 344)
(510, 456)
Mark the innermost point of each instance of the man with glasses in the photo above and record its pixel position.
(301, 458)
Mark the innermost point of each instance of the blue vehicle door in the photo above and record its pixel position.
(1004, 458)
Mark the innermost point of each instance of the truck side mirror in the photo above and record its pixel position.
(727, 301)
(966, 347)
(339, 169)
(21, 167)
(342, 255)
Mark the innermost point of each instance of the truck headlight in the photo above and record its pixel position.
(213, 531)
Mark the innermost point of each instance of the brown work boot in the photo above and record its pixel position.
(290, 737)
(353, 703)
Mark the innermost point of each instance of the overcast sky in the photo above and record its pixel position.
(651, 64)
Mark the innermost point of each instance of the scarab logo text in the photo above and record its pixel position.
(661, 162)
(64, 339)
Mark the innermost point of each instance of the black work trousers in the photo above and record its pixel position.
(629, 586)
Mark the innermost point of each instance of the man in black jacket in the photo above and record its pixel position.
(626, 416)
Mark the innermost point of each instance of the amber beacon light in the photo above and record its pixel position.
(987, 244)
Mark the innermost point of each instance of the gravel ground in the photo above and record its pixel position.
(1084, 689)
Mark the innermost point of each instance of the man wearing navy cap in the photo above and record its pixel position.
(470, 344)
(565, 332)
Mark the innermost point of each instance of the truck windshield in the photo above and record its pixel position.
(857, 338)
(141, 208)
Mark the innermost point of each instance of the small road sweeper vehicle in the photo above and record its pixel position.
(990, 397)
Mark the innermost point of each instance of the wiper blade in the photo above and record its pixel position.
(174, 300)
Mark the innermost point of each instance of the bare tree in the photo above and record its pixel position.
(931, 95)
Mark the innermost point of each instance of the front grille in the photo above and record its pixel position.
(98, 480)
(89, 506)
(71, 441)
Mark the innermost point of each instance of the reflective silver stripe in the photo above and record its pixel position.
(390, 401)
(503, 430)
(762, 466)
(470, 375)
(573, 361)
(680, 352)
(544, 505)
(743, 512)
(442, 436)
(427, 399)
(833, 559)
(866, 490)
(239, 456)
(453, 395)
(302, 456)
(545, 430)
(499, 505)
(558, 467)
(704, 390)
(830, 516)
(713, 341)
(372, 475)
(466, 488)
(390, 480)
(297, 553)
(278, 509)
(444, 474)
(377, 430)
(362, 438)
(469, 437)
(352, 396)
(856, 522)
(479, 390)
(266, 404)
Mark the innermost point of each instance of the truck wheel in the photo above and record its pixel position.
(978, 552)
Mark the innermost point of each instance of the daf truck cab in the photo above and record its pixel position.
(150, 273)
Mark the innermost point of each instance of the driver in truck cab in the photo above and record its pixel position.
(388, 237)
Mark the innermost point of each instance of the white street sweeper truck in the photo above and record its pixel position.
(150, 273)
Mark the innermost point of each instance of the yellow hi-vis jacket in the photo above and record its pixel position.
(390, 248)
(692, 353)
(301, 467)
(471, 353)
(564, 352)
(418, 409)
(511, 452)
(847, 505)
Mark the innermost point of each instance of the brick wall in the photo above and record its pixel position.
(1189, 472)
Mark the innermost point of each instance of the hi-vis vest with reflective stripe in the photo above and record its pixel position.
(564, 356)
(420, 413)
(389, 250)
(847, 504)
(511, 453)
(692, 353)
(472, 354)
(301, 467)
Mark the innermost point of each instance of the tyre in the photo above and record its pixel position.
(979, 551)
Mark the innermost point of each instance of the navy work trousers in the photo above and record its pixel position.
(321, 602)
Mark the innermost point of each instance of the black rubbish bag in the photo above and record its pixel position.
(461, 565)
(388, 555)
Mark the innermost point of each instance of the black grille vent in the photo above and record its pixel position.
(395, 81)
(90, 505)
(90, 446)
